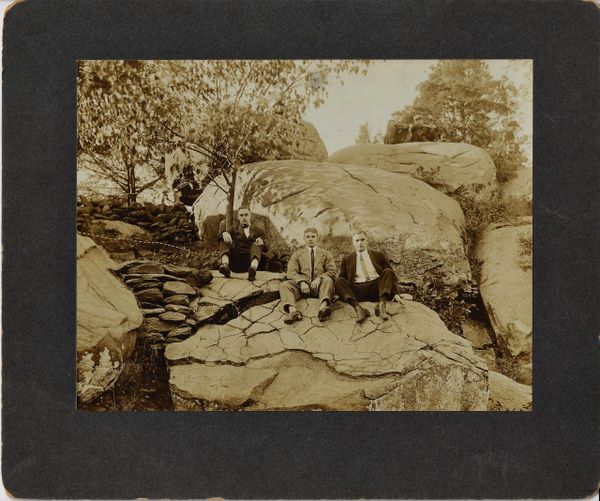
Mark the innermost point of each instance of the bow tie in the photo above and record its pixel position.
(245, 226)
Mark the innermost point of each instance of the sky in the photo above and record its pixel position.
(389, 86)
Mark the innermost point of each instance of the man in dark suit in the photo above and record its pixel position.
(366, 275)
(242, 247)
(311, 272)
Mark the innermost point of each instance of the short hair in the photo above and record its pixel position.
(243, 207)
(358, 232)
(311, 230)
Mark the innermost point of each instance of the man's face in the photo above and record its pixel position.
(244, 217)
(311, 238)
(360, 242)
(418, 119)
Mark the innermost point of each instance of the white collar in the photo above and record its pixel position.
(309, 248)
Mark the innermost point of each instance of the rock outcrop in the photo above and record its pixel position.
(448, 167)
(107, 318)
(506, 287)
(257, 362)
(418, 227)
(310, 147)
(508, 395)
(518, 192)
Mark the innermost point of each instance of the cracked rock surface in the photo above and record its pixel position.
(446, 166)
(256, 361)
(418, 227)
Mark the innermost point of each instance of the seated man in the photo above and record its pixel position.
(242, 247)
(366, 275)
(311, 271)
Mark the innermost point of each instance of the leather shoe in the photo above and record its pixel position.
(224, 270)
(361, 314)
(324, 313)
(251, 273)
(292, 316)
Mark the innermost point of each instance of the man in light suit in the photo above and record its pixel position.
(242, 246)
(311, 272)
(366, 275)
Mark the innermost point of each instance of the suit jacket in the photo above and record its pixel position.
(240, 242)
(348, 268)
(299, 265)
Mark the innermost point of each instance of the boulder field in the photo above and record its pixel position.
(418, 227)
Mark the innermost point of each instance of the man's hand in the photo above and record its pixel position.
(398, 299)
(314, 285)
(304, 288)
(259, 241)
(226, 237)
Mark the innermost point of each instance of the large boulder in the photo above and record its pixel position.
(448, 167)
(517, 193)
(310, 146)
(418, 227)
(257, 362)
(506, 287)
(107, 318)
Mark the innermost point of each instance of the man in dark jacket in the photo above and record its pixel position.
(242, 247)
(366, 275)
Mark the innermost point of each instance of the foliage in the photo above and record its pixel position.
(525, 251)
(366, 135)
(230, 111)
(112, 136)
(470, 106)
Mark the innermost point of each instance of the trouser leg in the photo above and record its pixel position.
(326, 289)
(289, 293)
(345, 290)
(256, 252)
(386, 285)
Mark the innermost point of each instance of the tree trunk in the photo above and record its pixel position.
(231, 198)
(131, 187)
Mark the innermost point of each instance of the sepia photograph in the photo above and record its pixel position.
(304, 235)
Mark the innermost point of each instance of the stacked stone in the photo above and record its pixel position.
(166, 223)
(167, 295)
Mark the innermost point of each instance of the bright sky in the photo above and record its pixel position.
(389, 86)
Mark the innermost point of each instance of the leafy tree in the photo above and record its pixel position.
(470, 106)
(112, 136)
(231, 112)
(366, 136)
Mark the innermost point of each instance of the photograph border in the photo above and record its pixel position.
(50, 450)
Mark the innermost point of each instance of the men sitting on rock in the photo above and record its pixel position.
(311, 272)
(366, 275)
(242, 246)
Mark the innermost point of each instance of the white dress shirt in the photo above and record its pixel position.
(247, 231)
(315, 263)
(360, 277)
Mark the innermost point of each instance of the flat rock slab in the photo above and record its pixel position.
(222, 293)
(178, 288)
(410, 362)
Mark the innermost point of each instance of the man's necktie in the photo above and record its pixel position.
(312, 263)
(363, 267)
